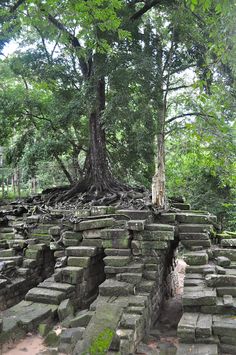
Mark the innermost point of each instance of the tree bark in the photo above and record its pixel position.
(63, 168)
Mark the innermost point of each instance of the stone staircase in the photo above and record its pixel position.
(208, 324)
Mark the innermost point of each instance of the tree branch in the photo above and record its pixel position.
(14, 7)
(73, 41)
(145, 8)
(188, 114)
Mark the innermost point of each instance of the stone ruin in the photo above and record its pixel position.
(102, 275)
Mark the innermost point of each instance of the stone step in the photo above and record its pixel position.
(202, 269)
(194, 243)
(82, 261)
(186, 330)
(117, 261)
(204, 326)
(115, 238)
(7, 252)
(227, 290)
(131, 268)
(197, 349)
(94, 224)
(111, 287)
(220, 308)
(136, 214)
(81, 251)
(44, 295)
(132, 278)
(193, 236)
(59, 286)
(228, 243)
(202, 297)
(7, 236)
(192, 218)
(227, 252)
(196, 258)
(195, 228)
(136, 225)
(159, 227)
(118, 252)
(71, 274)
(16, 259)
(181, 206)
(145, 286)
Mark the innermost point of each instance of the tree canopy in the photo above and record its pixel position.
(112, 93)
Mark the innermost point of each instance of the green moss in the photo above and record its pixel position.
(101, 344)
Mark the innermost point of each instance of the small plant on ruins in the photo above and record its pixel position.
(101, 344)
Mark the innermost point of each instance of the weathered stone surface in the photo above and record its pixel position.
(78, 261)
(145, 286)
(195, 243)
(227, 349)
(228, 253)
(159, 227)
(187, 326)
(55, 231)
(220, 280)
(116, 260)
(65, 309)
(204, 325)
(112, 287)
(193, 236)
(223, 261)
(118, 252)
(94, 224)
(228, 300)
(224, 326)
(221, 291)
(194, 228)
(192, 218)
(199, 298)
(136, 214)
(136, 225)
(203, 269)
(228, 243)
(72, 274)
(134, 267)
(72, 235)
(44, 295)
(220, 270)
(81, 251)
(7, 252)
(81, 319)
(196, 258)
(153, 245)
(197, 349)
(132, 278)
(107, 316)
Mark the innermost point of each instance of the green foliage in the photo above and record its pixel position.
(101, 344)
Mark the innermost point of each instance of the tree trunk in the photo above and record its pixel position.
(158, 182)
(63, 168)
(98, 174)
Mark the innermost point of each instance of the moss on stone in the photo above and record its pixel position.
(101, 343)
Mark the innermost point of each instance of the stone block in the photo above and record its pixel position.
(136, 214)
(192, 218)
(197, 349)
(195, 228)
(221, 291)
(136, 247)
(132, 278)
(72, 235)
(228, 243)
(204, 326)
(72, 274)
(94, 224)
(145, 287)
(7, 252)
(221, 280)
(112, 287)
(223, 261)
(81, 319)
(116, 260)
(220, 270)
(195, 243)
(55, 231)
(154, 235)
(159, 227)
(44, 295)
(187, 326)
(52, 339)
(228, 300)
(154, 245)
(117, 252)
(136, 225)
(78, 261)
(199, 298)
(93, 234)
(224, 326)
(193, 236)
(83, 251)
(196, 258)
(65, 309)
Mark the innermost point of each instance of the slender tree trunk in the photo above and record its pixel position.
(158, 183)
(63, 168)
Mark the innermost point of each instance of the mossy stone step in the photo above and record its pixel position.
(44, 295)
(112, 287)
(81, 251)
(59, 286)
(16, 259)
(195, 228)
(94, 224)
(7, 252)
(159, 227)
(71, 274)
